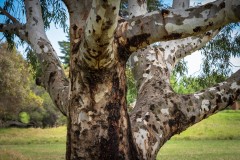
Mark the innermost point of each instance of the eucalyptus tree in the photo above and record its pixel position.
(94, 99)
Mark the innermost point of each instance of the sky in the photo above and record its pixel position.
(193, 61)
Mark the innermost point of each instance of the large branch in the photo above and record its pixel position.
(18, 29)
(176, 50)
(176, 23)
(202, 104)
(165, 54)
(53, 78)
(13, 19)
(160, 113)
(97, 46)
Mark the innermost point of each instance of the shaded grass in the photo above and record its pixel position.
(33, 152)
(32, 135)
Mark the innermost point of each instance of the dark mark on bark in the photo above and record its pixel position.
(208, 6)
(173, 36)
(192, 119)
(98, 18)
(138, 39)
(197, 29)
(147, 117)
(74, 27)
(222, 5)
(165, 12)
(51, 77)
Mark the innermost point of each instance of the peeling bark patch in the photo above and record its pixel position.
(205, 105)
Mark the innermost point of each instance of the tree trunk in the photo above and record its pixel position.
(98, 124)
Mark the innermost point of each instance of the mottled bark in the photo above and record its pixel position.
(53, 78)
(159, 112)
(99, 126)
(172, 24)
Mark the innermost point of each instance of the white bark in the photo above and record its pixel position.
(176, 24)
(98, 47)
(53, 78)
(137, 8)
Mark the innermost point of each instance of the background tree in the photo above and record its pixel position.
(99, 126)
(20, 99)
(15, 93)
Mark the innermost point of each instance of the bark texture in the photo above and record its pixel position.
(94, 99)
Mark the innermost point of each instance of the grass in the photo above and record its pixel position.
(200, 149)
(216, 138)
(16, 136)
(222, 126)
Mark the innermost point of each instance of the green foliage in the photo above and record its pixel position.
(186, 85)
(217, 53)
(65, 50)
(14, 84)
(33, 62)
(132, 90)
(154, 5)
(20, 98)
(24, 117)
(54, 11)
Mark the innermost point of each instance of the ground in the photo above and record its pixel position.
(215, 138)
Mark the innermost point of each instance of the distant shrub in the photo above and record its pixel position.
(24, 117)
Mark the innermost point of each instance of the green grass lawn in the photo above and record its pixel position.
(216, 138)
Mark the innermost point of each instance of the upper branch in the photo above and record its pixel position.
(176, 50)
(99, 33)
(13, 19)
(207, 102)
(176, 23)
(18, 29)
(53, 78)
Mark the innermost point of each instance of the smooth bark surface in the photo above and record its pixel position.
(94, 98)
